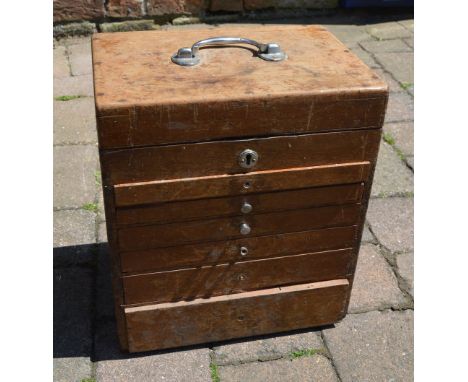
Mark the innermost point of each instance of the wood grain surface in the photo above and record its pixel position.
(183, 323)
(242, 184)
(232, 206)
(142, 98)
(197, 255)
(209, 281)
(217, 158)
(166, 235)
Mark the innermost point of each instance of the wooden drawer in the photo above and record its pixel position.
(209, 281)
(182, 323)
(242, 184)
(166, 235)
(196, 255)
(217, 158)
(240, 205)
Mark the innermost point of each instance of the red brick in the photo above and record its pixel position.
(124, 8)
(71, 10)
(174, 7)
(226, 5)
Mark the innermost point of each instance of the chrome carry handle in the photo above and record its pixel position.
(190, 57)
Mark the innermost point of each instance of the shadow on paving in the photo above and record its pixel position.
(84, 324)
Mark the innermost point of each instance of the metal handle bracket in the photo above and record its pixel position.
(190, 56)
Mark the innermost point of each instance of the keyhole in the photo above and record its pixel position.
(248, 159)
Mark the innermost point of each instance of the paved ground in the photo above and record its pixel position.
(373, 343)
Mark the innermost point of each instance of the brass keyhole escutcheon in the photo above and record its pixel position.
(248, 158)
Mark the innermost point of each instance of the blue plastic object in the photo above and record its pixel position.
(376, 3)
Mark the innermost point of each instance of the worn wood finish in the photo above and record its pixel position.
(239, 184)
(182, 323)
(169, 141)
(213, 158)
(322, 86)
(166, 235)
(197, 255)
(219, 207)
(209, 281)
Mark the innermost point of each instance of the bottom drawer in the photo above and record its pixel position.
(167, 325)
(208, 281)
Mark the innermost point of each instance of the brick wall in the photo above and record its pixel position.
(105, 10)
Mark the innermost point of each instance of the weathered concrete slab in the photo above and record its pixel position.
(375, 285)
(184, 365)
(388, 30)
(348, 33)
(77, 85)
(316, 368)
(80, 58)
(61, 68)
(403, 134)
(74, 227)
(266, 348)
(365, 57)
(374, 346)
(400, 108)
(405, 264)
(391, 220)
(75, 122)
(74, 181)
(391, 177)
(385, 46)
(393, 85)
(401, 65)
(72, 324)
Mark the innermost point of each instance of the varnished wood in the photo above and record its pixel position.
(182, 323)
(214, 158)
(142, 98)
(166, 235)
(197, 255)
(239, 184)
(231, 206)
(208, 281)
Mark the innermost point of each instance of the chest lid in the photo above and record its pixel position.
(143, 98)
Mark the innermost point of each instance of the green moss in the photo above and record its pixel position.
(303, 353)
(91, 207)
(406, 85)
(97, 177)
(389, 139)
(88, 380)
(214, 373)
(68, 97)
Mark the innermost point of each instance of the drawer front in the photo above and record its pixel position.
(216, 280)
(166, 325)
(240, 205)
(166, 235)
(241, 184)
(217, 158)
(196, 255)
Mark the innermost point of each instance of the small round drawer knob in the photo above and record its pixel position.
(245, 229)
(244, 251)
(246, 208)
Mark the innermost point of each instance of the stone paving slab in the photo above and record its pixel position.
(75, 122)
(365, 57)
(80, 58)
(72, 324)
(385, 46)
(408, 24)
(367, 236)
(267, 348)
(391, 220)
(74, 227)
(73, 86)
(61, 68)
(74, 180)
(400, 108)
(388, 30)
(409, 41)
(410, 162)
(375, 346)
(184, 365)
(405, 264)
(401, 65)
(349, 34)
(392, 176)
(375, 286)
(316, 368)
(393, 85)
(403, 134)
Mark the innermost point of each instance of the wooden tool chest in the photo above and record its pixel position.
(236, 178)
